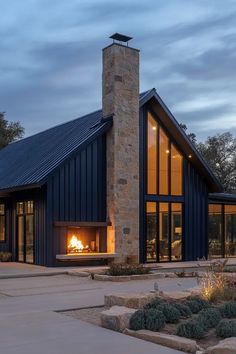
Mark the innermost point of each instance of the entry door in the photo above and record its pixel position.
(25, 231)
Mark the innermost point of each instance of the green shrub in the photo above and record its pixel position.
(154, 303)
(183, 309)
(228, 309)
(204, 303)
(209, 317)
(5, 257)
(137, 320)
(194, 306)
(226, 329)
(118, 269)
(191, 329)
(154, 320)
(172, 315)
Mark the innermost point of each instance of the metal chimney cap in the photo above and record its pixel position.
(120, 37)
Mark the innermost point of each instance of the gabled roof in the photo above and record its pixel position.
(168, 120)
(28, 162)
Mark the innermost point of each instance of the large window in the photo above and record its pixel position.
(215, 228)
(176, 171)
(164, 162)
(230, 230)
(164, 243)
(222, 230)
(152, 155)
(164, 195)
(25, 231)
(2, 223)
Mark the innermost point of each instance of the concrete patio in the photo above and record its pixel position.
(20, 270)
(29, 323)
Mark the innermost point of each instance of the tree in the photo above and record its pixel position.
(219, 151)
(9, 131)
(191, 136)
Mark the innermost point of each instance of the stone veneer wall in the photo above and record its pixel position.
(121, 99)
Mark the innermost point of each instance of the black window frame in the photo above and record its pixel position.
(4, 223)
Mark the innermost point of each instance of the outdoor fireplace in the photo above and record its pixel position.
(85, 240)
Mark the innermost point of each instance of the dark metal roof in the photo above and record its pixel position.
(226, 198)
(120, 37)
(30, 160)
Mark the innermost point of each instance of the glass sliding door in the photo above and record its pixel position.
(230, 230)
(25, 231)
(215, 230)
(151, 220)
(20, 233)
(176, 231)
(163, 232)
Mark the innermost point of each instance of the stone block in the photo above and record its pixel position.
(168, 340)
(135, 301)
(226, 346)
(116, 318)
(175, 295)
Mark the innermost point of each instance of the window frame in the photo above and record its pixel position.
(4, 223)
(171, 141)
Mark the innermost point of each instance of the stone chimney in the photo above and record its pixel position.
(120, 98)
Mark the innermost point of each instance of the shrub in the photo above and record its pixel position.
(194, 306)
(191, 329)
(209, 317)
(154, 303)
(5, 256)
(226, 329)
(137, 320)
(172, 315)
(228, 309)
(204, 303)
(183, 309)
(127, 269)
(154, 320)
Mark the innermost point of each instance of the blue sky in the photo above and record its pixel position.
(50, 63)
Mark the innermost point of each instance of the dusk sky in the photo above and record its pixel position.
(50, 63)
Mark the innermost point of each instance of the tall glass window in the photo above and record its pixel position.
(163, 163)
(164, 232)
(151, 220)
(152, 156)
(215, 239)
(176, 171)
(176, 231)
(230, 230)
(25, 231)
(2, 223)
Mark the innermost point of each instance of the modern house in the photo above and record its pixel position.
(124, 182)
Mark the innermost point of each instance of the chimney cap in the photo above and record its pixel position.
(120, 37)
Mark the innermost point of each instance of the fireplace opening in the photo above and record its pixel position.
(86, 240)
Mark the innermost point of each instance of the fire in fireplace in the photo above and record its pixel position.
(86, 240)
(75, 245)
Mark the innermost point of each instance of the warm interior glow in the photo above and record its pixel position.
(75, 245)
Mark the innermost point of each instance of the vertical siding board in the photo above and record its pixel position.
(77, 188)
(72, 189)
(89, 183)
(83, 186)
(95, 182)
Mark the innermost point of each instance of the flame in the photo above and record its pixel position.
(75, 245)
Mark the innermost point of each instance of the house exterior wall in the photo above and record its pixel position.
(38, 196)
(121, 100)
(194, 199)
(76, 192)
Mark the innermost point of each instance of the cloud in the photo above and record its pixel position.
(51, 68)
